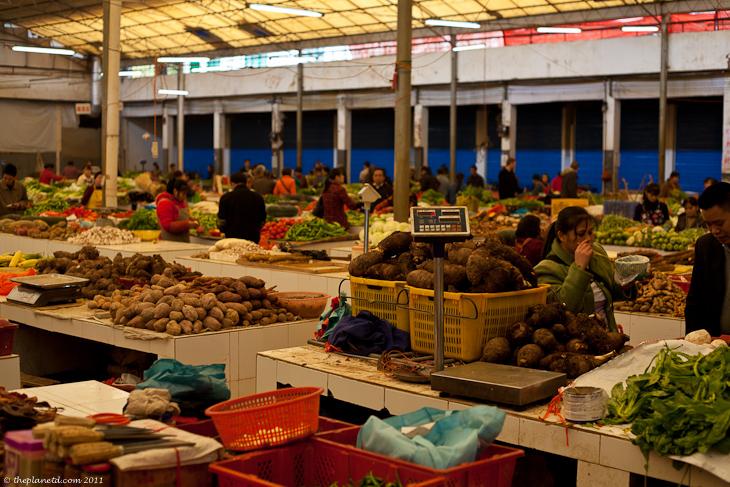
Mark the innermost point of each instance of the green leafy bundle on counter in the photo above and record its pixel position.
(142, 219)
(314, 229)
(208, 221)
(616, 222)
(678, 407)
(52, 204)
(522, 203)
(432, 197)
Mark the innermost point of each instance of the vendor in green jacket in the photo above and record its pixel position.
(579, 272)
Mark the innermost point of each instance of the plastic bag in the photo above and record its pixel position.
(193, 387)
(455, 437)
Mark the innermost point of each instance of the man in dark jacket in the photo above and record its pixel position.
(570, 181)
(242, 212)
(708, 301)
(508, 184)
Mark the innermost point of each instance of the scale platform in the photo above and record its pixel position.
(46, 289)
(502, 384)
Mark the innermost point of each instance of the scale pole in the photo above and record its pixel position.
(438, 306)
(367, 227)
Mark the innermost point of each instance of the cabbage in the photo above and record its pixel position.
(391, 226)
(404, 227)
(377, 227)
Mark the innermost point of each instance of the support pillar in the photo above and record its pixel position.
(482, 140)
(227, 146)
(166, 139)
(180, 119)
(219, 138)
(277, 143)
(611, 140)
(452, 110)
(110, 103)
(663, 97)
(343, 159)
(670, 152)
(508, 133)
(403, 138)
(568, 136)
(59, 138)
(726, 131)
(420, 136)
(300, 110)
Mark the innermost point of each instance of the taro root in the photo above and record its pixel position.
(420, 278)
(577, 365)
(500, 251)
(360, 265)
(545, 315)
(395, 244)
(545, 339)
(385, 271)
(459, 255)
(529, 356)
(576, 345)
(497, 350)
(519, 334)
(560, 332)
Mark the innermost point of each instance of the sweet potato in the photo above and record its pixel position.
(173, 328)
(253, 282)
(177, 316)
(162, 310)
(212, 324)
(187, 327)
(208, 300)
(228, 296)
(216, 313)
(161, 324)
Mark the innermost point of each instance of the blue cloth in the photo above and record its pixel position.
(366, 333)
(454, 439)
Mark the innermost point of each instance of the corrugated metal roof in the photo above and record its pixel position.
(165, 27)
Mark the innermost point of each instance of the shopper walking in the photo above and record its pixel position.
(335, 199)
(236, 223)
(173, 215)
(651, 211)
(286, 185)
(708, 301)
(13, 196)
(475, 180)
(570, 181)
(48, 175)
(508, 184)
(577, 269)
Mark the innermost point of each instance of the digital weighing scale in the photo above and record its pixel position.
(504, 384)
(46, 289)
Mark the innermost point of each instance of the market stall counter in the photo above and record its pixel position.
(235, 347)
(605, 454)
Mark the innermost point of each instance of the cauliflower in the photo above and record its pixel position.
(699, 337)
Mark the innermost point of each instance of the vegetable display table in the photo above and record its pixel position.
(282, 279)
(234, 347)
(605, 454)
(642, 327)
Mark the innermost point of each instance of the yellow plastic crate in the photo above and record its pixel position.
(470, 319)
(385, 299)
(559, 204)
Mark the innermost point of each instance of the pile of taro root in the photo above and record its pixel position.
(176, 307)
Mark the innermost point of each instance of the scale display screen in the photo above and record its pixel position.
(440, 221)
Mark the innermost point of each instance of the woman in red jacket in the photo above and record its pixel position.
(335, 198)
(172, 213)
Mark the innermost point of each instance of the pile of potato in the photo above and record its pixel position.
(106, 275)
(176, 307)
(473, 266)
(552, 338)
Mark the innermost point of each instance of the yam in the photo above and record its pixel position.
(187, 327)
(162, 310)
(254, 294)
(256, 316)
(576, 345)
(395, 244)
(173, 328)
(529, 356)
(519, 334)
(385, 271)
(212, 324)
(177, 316)
(509, 255)
(166, 299)
(161, 324)
(216, 313)
(497, 350)
(208, 300)
(189, 313)
(420, 279)
(226, 323)
(360, 265)
(253, 282)
(545, 339)
(165, 282)
(228, 296)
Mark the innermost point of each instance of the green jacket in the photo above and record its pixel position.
(572, 286)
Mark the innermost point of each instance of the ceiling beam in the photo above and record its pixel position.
(593, 15)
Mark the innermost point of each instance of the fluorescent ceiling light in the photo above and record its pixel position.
(172, 92)
(629, 19)
(559, 30)
(470, 47)
(44, 50)
(130, 74)
(640, 28)
(708, 12)
(192, 59)
(283, 10)
(452, 23)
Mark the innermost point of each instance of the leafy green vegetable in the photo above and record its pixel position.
(314, 229)
(355, 218)
(616, 222)
(680, 406)
(520, 203)
(52, 204)
(432, 197)
(142, 219)
(208, 221)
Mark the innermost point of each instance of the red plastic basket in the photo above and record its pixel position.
(7, 336)
(267, 419)
(494, 467)
(207, 428)
(316, 463)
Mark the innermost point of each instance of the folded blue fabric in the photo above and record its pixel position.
(454, 439)
(366, 333)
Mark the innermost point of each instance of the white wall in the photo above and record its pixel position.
(691, 52)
